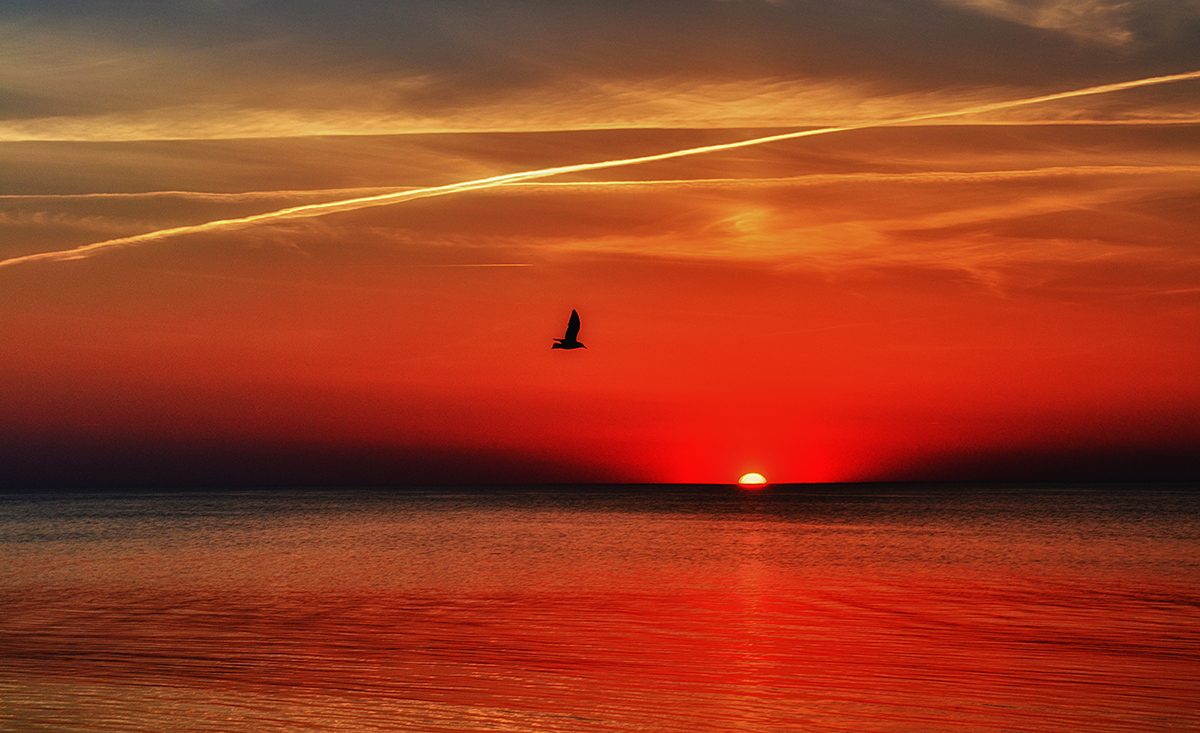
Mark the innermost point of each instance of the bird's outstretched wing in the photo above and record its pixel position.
(572, 327)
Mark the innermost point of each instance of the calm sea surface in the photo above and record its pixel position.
(650, 608)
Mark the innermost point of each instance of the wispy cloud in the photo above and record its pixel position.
(319, 209)
(186, 71)
(1099, 21)
(73, 82)
(597, 106)
(1113, 23)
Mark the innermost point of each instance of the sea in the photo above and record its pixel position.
(874, 607)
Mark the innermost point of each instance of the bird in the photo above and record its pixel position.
(569, 341)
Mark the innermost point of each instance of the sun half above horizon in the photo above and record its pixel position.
(752, 480)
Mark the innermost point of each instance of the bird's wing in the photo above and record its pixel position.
(572, 327)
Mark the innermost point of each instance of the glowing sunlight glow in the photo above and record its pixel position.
(752, 480)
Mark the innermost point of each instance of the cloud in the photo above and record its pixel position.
(1114, 23)
(190, 71)
(662, 104)
(322, 208)
(1097, 21)
(998, 229)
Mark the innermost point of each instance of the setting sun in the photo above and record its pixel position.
(752, 479)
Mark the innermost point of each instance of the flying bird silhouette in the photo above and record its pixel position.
(569, 341)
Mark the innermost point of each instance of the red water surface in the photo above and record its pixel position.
(886, 610)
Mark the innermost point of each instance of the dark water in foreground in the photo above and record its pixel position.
(885, 608)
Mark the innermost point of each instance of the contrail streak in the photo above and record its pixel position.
(202, 195)
(805, 178)
(818, 179)
(310, 210)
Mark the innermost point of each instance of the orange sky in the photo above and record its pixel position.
(1013, 294)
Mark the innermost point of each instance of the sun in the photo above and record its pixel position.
(752, 480)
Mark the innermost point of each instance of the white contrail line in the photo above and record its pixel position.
(310, 210)
(804, 178)
(817, 179)
(215, 196)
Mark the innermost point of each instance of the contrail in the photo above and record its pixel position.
(309, 210)
(818, 179)
(804, 178)
(203, 195)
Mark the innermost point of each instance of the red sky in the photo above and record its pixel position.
(1014, 294)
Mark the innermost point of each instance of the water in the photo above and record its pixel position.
(877, 608)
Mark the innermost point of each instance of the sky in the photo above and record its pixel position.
(280, 243)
